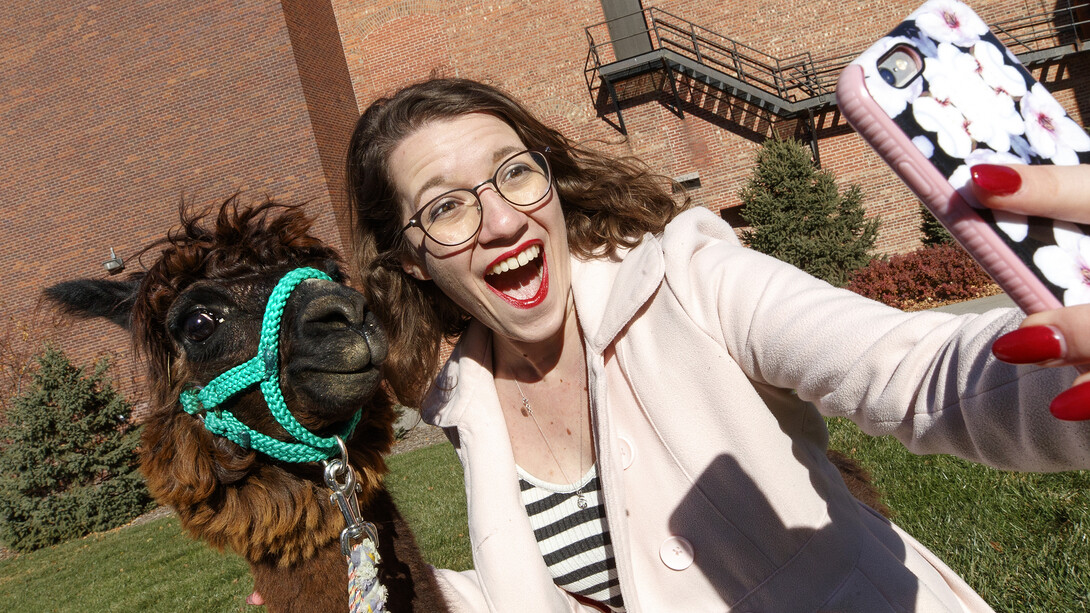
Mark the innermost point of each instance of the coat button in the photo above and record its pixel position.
(676, 553)
(626, 450)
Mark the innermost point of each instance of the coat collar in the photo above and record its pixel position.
(629, 279)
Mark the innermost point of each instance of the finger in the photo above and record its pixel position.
(1052, 338)
(1059, 192)
(1072, 404)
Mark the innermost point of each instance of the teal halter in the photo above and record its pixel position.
(264, 368)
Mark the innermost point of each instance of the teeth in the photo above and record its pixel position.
(514, 262)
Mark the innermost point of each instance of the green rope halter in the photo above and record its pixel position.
(264, 368)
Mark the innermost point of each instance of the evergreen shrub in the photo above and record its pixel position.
(798, 214)
(925, 278)
(68, 458)
(934, 233)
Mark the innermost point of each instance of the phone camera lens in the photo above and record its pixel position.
(887, 75)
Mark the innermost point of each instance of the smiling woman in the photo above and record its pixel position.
(636, 399)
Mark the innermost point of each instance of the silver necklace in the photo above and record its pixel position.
(528, 410)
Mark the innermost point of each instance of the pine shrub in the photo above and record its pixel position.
(934, 233)
(68, 458)
(798, 214)
(925, 278)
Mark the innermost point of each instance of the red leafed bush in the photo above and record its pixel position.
(925, 278)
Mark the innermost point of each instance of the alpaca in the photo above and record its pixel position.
(197, 312)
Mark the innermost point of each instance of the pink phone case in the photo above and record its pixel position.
(940, 94)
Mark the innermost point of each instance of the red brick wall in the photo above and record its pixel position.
(115, 111)
(537, 51)
(330, 102)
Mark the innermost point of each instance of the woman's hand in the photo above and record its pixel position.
(1061, 336)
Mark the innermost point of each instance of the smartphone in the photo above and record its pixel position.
(940, 94)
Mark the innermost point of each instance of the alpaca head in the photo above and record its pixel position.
(196, 313)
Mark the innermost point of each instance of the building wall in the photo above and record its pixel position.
(538, 51)
(114, 112)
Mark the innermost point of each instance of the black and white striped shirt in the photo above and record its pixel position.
(574, 542)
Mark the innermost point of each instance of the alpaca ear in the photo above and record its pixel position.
(105, 298)
(414, 268)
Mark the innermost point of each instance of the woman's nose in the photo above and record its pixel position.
(502, 219)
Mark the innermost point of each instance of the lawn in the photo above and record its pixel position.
(155, 567)
(1023, 541)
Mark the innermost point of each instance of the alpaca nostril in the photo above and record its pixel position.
(333, 312)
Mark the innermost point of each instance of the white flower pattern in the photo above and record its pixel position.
(986, 115)
(1001, 77)
(976, 104)
(1049, 130)
(1067, 263)
(949, 21)
(947, 122)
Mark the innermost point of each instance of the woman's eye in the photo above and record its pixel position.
(444, 208)
(199, 325)
(514, 173)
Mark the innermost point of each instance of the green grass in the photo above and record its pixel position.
(428, 488)
(1022, 541)
(155, 567)
(150, 567)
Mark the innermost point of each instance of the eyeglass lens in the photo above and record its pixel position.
(455, 216)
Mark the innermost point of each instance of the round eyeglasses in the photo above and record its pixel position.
(452, 218)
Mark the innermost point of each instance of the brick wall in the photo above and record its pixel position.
(115, 111)
(537, 51)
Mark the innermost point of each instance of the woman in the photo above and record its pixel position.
(635, 397)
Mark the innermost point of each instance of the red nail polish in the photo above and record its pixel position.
(1073, 404)
(995, 179)
(1029, 345)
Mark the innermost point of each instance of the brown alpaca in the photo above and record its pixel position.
(196, 313)
(858, 480)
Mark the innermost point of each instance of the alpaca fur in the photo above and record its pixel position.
(276, 515)
(858, 480)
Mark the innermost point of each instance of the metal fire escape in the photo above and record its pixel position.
(656, 50)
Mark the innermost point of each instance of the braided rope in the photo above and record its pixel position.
(365, 593)
(264, 368)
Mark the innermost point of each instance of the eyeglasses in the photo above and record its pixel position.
(452, 218)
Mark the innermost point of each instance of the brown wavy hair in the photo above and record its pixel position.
(607, 203)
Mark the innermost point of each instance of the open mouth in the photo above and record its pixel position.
(521, 278)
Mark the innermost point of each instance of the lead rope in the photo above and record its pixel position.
(365, 593)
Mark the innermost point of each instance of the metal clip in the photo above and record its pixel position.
(344, 496)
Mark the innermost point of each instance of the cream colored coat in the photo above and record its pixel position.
(717, 490)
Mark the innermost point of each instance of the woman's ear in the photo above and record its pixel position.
(414, 268)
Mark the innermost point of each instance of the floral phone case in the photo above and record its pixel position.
(940, 94)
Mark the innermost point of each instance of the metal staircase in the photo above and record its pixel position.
(622, 66)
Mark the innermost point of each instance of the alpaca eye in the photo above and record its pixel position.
(199, 325)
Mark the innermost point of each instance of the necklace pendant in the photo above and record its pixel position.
(581, 501)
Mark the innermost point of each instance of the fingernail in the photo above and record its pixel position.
(1072, 404)
(1030, 345)
(995, 179)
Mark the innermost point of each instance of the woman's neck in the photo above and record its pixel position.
(530, 362)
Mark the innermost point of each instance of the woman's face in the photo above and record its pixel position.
(527, 301)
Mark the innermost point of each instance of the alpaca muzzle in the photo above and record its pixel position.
(264, 369)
